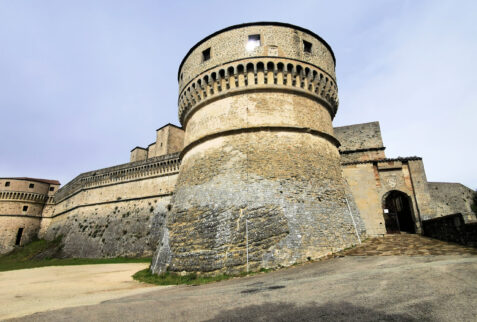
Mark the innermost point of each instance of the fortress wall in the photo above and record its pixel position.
(363, 155)
(113, 220)
(452, 198)
(9, 226)
(359, 136)
(113, 212)
(175, 140)
(362, 182)
(371, 181)
(425, 204)
(123, 228)
(288, 192)
(113, 192)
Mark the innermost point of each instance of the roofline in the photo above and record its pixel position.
(258, 23)
(138, 147)
(33, 179)
(351, 125)
(399, 159)
(169, 124)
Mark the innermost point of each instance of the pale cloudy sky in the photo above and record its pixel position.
(83, 82)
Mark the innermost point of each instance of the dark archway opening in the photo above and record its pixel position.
(398, 213)
(19, 236)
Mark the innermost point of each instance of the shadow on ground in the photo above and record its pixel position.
(341, 311)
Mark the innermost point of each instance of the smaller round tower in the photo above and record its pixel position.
(21, 205)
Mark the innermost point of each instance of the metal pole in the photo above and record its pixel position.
(354, 224)
(246, 234)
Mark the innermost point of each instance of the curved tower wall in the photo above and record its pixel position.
(260, 162)
(22, 201)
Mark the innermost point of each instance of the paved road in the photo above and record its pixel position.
(394, 288)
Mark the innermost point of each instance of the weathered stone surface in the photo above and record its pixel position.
(452, 198)
(22, 201)
(129, 229)
(113, 212)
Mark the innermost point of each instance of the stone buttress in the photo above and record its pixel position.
(260, 167)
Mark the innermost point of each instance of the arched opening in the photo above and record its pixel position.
(398, 213)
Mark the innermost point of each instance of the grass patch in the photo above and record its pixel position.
(169, 278)
(26, 257)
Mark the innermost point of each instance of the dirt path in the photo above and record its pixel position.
(28, 291)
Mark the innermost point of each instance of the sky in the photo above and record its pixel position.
(84, 82)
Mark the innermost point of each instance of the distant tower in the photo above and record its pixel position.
(260, 172)
(22, 202)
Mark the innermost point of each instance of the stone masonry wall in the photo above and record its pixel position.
(452, 228)
(290, 193)
(371, 181)
(113, 212)
(359, 136)
(9, 226)
(452, 198)
(22, 201)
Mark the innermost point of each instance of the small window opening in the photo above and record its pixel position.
(253, 42)
(7, 184)
(206, 54)
(52, 188)
(19, 237)
(307, 46)
(25, 208)
(31, 186)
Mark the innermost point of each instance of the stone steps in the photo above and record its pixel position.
(408, 245)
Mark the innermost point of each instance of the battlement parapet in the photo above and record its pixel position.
(255, 74)
(23, 196)
(158, 166)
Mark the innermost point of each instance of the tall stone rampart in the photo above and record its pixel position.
(115, 211)
(260, 183)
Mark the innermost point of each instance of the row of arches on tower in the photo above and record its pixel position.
(18, 195)
(284, 73)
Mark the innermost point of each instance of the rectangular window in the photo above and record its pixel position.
(7, 184)
(206, 54)
(52, 188)
(25, 208)
(253, 42)
(307, 46)
(31, 186)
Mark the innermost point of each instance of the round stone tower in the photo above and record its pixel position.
(260, 183)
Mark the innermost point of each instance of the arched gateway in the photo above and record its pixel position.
(398, 214)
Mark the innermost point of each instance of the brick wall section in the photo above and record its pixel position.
(452, 228)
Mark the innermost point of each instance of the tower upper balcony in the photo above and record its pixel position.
(256, 56)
